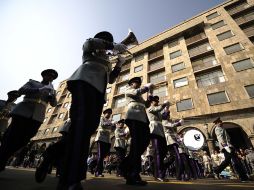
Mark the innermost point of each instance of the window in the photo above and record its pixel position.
(60, 115)
(243, 65)
(210, 78)
(58, 93)
(108, 90)
(250, 90)
(106, 104)
(66, 104)
(225, 35)
(184, 105)
(116, 117)
(177, 67)
(69, 95)
(156, 65)
(173, 43)
(157, 77)
(61, 85)
(213, 15)
(175, 54)
(218, 24)
(217, 98)
(49, 110)
(54, 129)
(233, 48)
(139, 57)
(45, 120)
(138, 68)
(180, 82)
(120, 102)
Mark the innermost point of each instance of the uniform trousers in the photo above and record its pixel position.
(85, 113)
(236, 164)
(173, 148)
(140, 138)
(160, 150)
(17, 135)
(103, 149)
(120, 153)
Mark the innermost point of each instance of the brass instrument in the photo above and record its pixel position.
(128, 41)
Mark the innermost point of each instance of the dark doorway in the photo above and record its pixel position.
(238, 138)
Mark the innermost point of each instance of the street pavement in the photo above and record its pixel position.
(23, 179)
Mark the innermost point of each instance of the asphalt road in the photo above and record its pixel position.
(23, 179)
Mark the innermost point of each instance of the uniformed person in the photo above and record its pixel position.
(103, 140)
(229, 152)
(138, 124)
(28, 115)
(170, 130)
(53, 155)
(157, 135)
(88, 85)
(5, 109)
(120, 144)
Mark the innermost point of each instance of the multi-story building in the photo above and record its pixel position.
(205, 65)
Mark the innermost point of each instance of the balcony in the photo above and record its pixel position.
(126, 67)
(204, 65)
(156, 54)
(238, 8)
(245, 18)
(123, 78)
(203, 82)
(194, 39)
(158, 79)
(156, 65)
(200, 50)
(249, 31)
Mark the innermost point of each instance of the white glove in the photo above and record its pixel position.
(120, 61)
(120, 47)
(181, 121)
(148, 85)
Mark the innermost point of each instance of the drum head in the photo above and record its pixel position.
(193, 139)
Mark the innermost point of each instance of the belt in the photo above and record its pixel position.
(39, 101)
(153, 122)
(136, 105)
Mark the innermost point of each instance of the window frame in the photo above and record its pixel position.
(226, 95)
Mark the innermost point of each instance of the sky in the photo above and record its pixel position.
(41, 34)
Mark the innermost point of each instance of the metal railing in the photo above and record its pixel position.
(210, 81)
(205, 65)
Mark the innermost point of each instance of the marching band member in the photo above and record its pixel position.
(28, 115)
(157, 135)
(6, 108)
(103, 140)
(229, 152)
(120, 144)
(172, 141)
(138, 124)
(53, 154)
(88, 85)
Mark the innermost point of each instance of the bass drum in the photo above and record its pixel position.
(193, 139)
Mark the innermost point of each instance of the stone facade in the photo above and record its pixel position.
(214, 82)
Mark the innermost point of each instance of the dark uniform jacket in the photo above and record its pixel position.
(34, 103)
